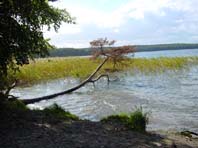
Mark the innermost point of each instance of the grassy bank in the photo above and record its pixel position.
(53, 68)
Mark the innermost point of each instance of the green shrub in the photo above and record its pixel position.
(57, 111)
(136, 120)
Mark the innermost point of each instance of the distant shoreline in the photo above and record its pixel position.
(164, 49)
(64, 52)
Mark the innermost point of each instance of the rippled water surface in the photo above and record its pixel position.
(170, 98)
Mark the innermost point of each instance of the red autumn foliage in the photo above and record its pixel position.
(102, 48)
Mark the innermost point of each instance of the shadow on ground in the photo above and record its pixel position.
(35, 129)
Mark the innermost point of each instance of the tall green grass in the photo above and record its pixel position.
(136, 120)
(158, 65)
(53, 68)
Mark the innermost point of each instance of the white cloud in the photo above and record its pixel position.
(66, 29)
(133, 9)
(96, 17)
(138, 8)
(181, 17)
(86, 15)
(72, 43)
(181, 5)
(116, 30)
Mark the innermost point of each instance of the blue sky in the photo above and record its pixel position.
(129, 22)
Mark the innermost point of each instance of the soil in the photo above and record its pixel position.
(34, 129)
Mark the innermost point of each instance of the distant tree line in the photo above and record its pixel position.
(63, 52)
(159, 47)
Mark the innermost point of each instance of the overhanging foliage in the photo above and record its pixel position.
(21, 32)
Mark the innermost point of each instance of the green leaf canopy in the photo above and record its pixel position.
(21, 36)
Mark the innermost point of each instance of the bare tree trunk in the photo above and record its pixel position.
(89, 79)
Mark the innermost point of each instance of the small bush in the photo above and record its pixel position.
(136, 120)
(59, 112)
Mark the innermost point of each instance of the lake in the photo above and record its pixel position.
(170, 98)
(167, 53)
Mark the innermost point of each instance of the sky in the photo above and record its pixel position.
(129, 22)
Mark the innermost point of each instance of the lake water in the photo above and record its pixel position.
(170, 98)
(167, 53)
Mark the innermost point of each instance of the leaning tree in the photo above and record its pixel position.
(21, 35)
(102, 50)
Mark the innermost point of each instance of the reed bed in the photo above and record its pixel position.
(53, 68)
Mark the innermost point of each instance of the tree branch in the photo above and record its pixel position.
(10, 88)
(99, 77)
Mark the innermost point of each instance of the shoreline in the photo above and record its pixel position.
(34, 128)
